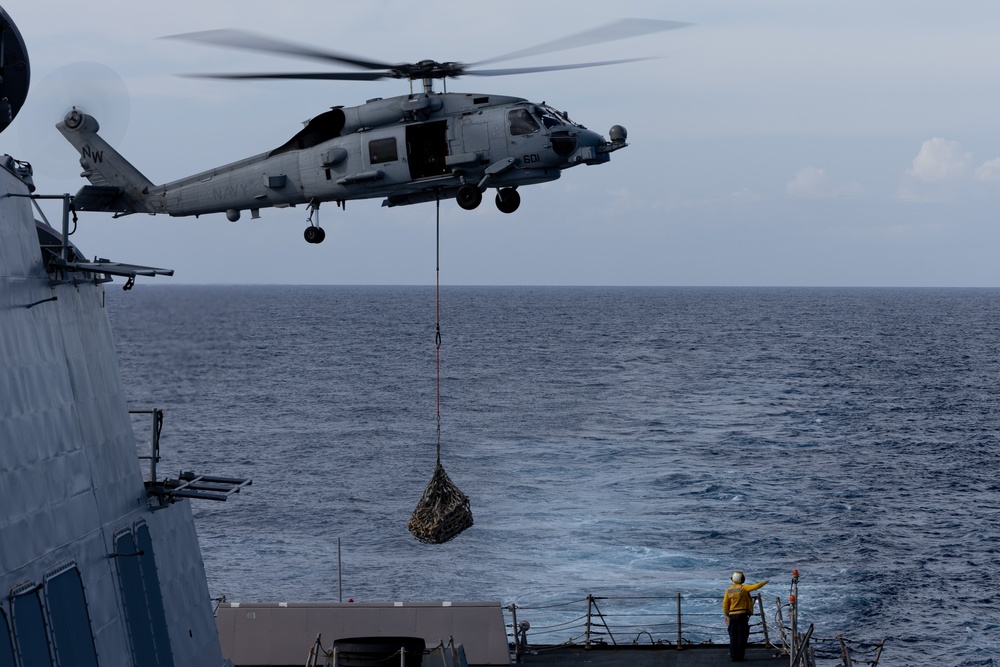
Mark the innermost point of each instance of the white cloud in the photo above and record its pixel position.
(989, 171)
(940, 160)
(943, 171)
(814, 183)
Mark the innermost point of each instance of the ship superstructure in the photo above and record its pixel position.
(90, 564)
(94, 568)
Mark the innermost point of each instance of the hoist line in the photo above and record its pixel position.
(437, 316)
(443, 510)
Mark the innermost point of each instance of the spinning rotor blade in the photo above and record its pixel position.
(89, 86)
(549, 68)
(425, 69)
(246, 40)
(325, 76)
(622, 29)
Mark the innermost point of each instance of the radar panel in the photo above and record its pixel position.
(15, 74)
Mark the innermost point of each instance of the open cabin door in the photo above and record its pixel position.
(426, 149)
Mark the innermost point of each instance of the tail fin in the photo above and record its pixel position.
(116, 185)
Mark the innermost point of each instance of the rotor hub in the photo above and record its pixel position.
(427, 69)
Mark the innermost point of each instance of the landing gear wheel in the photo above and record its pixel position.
(469, 197)
(314, 234)
(508, 200)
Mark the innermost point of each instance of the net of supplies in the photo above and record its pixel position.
(442, 512)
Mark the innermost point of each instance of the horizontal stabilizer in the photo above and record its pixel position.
(101, 198)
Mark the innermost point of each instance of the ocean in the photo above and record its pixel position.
(629, 443)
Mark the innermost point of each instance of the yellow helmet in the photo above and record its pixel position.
(738, 577)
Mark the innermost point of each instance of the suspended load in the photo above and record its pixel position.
(442, 512)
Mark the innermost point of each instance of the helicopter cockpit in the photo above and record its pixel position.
(552, 118)
(562, 134)
(525, 120)
(522, 122)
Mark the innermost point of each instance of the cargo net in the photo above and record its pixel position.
(442, 512)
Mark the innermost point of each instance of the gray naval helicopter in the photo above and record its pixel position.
(409, 149)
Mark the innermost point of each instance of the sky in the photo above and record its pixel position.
(772, 142)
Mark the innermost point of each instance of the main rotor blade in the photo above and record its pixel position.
(549, 68)
(326, 76)
(621, 29)
(247, 40)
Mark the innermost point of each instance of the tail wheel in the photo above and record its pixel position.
(469, 197)
(314, 234)
(508, 200)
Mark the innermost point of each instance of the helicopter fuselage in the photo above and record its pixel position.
(406, 149)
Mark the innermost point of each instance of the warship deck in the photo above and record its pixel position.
(650, 656)
(279, 634)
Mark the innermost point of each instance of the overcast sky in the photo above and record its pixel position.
(774, 142)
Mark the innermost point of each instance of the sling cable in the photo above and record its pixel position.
(443, 510)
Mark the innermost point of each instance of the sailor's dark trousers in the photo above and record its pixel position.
(739, 635)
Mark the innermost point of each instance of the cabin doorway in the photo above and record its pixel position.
(426, 148)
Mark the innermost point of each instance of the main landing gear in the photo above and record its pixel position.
(507, 200)
(469, 197)
(314, 233)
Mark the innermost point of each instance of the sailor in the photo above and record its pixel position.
(737, 605)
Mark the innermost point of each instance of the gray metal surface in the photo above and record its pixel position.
(282, 633)
(69, 476)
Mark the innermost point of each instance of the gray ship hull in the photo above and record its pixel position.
(88, 567)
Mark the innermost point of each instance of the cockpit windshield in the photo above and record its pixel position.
(551, 118)
(525, 121)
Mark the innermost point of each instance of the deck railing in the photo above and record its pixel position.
(632, 620)
(673, 621)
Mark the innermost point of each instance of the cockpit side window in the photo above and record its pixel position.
(521, 122)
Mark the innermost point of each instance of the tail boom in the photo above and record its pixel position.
(116, 186)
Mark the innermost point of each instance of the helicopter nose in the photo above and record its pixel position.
(589, 149)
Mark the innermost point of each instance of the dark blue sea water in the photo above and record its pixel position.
(625, 442)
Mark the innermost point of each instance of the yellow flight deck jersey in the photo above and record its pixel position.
(737, 598)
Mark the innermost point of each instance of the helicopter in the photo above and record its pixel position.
(421, 147)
